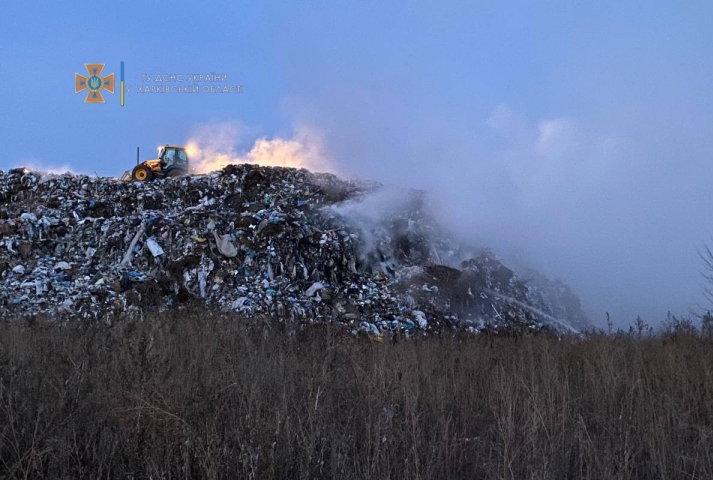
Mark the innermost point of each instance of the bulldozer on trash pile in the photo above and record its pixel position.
(172, 161)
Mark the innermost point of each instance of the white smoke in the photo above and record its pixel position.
(38, 166)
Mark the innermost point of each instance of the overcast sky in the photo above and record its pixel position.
(576, 137)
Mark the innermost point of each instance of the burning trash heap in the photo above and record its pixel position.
(269, 241)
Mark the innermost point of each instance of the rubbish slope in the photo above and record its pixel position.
(288, 243)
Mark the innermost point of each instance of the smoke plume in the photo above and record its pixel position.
(212, 147)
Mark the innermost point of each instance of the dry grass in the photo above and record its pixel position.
(198, 396)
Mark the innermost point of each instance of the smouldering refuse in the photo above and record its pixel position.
(299, 246)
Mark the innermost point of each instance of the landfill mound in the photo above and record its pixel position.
(283, 242)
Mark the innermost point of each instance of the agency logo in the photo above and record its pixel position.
(94, 83)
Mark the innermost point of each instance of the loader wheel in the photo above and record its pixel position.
(142, 173)
(174, 173)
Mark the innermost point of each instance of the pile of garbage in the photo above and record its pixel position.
(281, 242)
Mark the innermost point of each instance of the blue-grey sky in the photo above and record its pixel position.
(574, 136)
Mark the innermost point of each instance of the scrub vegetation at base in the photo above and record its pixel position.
(196, 394)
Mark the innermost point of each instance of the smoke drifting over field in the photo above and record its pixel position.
(585, 205)
(606, 210)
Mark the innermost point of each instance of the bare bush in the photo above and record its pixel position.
(705, 254)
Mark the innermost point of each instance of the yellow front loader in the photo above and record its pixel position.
(172, 161)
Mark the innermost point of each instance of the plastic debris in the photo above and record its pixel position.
(225, 246)
(420, 318)
(316, 286)
(154, 247)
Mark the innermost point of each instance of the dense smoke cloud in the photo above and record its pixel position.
(606, 209)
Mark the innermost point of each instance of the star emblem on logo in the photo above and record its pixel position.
(94, 83)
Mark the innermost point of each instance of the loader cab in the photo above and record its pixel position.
(172, 156)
